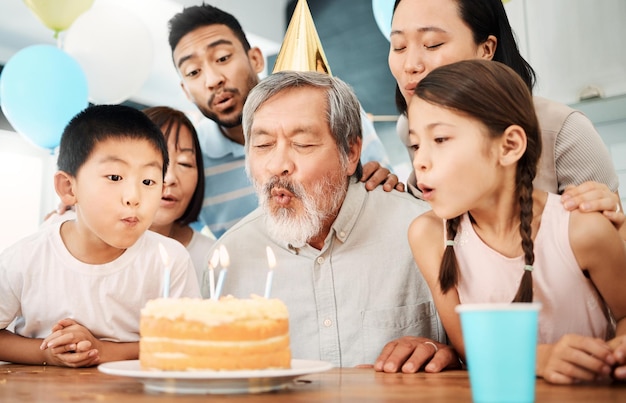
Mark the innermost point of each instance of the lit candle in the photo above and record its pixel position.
(224, 262)
(271, 262)
(215, 260)
(166, 274)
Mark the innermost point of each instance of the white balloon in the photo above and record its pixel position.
(115, 50)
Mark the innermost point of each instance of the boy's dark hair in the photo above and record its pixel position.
(102, 122)
(170, 121)
(203, 15)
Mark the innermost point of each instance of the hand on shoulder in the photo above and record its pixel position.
(375, 174)
(593, 196)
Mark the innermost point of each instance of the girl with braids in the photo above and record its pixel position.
(472, 126)
(426, 34)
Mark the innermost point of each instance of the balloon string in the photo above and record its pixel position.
(59, 38)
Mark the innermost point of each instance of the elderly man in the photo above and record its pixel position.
(343, 264)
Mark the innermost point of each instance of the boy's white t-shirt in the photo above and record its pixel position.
(42, 283)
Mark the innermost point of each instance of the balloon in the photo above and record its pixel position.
(115, 49)
(41, 89)
(58, 15)
(383, 12)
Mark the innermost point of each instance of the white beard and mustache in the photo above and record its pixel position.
(285, 223)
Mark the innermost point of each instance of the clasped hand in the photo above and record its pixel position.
(576, 359)
(72, 345)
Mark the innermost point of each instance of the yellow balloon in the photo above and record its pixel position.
(58, 15)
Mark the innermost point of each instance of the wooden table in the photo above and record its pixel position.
(21, 383)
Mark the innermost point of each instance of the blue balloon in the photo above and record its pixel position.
(383, 13)
(41, 89)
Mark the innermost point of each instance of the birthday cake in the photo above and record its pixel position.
(202, 334)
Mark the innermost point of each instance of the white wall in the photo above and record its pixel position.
(574, 45)
(27, 188)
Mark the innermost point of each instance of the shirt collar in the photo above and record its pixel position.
(349, 211)
(214, 143)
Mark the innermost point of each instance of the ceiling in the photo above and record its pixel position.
(20, 27)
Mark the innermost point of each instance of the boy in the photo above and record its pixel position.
(80, 284)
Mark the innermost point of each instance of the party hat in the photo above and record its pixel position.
(301, 49)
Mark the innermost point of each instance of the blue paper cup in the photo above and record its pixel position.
(500, 350)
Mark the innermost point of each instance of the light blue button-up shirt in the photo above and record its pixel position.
(346, 301)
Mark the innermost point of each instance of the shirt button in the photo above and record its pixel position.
(328, 322)
(320, 260)
(342, 234)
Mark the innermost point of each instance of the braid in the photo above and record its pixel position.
(449, 270)
(525, 290)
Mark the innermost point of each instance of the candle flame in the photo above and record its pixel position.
(215, 259)
(164, 256)
(224, 259)
(271, 259)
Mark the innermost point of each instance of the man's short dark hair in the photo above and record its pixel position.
(195, 17)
